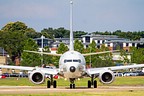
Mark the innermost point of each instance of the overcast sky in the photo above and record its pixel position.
(89, 15)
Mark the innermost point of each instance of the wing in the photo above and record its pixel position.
(91, 71)
(43, 53)
(17, 67)
(44, 70)
(88, 54)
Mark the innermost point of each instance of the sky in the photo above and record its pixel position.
(88, 15)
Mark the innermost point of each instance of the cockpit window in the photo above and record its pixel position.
(75, 60)
(69, 60)
(65, 61)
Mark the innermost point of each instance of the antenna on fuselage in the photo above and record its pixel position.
(71, 46)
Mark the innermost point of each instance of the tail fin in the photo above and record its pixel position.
(71, 47)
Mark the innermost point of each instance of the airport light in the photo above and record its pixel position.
(42, 40)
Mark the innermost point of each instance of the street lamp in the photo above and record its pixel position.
(42, 40)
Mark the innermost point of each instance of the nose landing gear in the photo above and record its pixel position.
(72, 85)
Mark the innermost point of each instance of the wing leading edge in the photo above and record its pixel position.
(88, 54)
(44, 70)
(46, 53)
(91, 71)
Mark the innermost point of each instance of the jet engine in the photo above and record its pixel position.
(37, 77)
(106, 77)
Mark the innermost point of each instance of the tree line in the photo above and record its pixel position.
(17, 36)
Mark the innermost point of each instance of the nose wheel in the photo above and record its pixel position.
(72, 85)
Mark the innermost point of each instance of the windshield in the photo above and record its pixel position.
(70, 60)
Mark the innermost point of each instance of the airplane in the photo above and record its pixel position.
(72, 65)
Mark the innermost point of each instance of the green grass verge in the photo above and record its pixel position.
(123, 93)
(119, 81)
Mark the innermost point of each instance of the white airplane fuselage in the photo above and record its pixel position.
(72, 64)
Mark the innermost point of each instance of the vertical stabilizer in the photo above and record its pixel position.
(71, 47)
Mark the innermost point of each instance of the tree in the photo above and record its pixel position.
(12, 38)
(78, 46)
(14, 27)
(31, 33)
(91, 49)
(137, 55)
(62, 48)
(124, 55)
(101, 60)
(13, 43)
(78, 34)
(46, 58)
(30, 59)
(55, 33)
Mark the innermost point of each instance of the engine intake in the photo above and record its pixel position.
(37, 77)
(106, 77)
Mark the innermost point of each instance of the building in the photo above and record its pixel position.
(3, 56)
(99, 39)
(46, 42)
(112, 42)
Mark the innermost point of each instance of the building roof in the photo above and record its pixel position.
(124, 41)
(43, 39)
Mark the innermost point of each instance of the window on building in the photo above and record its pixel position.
(133, 44)
(127, 44)
(103, 41)
(98, 41)
(87, 39)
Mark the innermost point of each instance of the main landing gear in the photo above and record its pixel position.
(92, 82)
(51, 82)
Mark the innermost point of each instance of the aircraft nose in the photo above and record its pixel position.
(72, 69)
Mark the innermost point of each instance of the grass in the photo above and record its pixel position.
(119, 81)
(123, 93)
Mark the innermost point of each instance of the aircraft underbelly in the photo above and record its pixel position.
(72, 75)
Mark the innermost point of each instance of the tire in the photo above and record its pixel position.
(71, 86)
(48, 84)
(95, 84)
(89, 84)
(54, 84)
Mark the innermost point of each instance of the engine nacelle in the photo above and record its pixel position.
(37, 77)
(106, 77)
